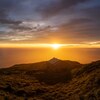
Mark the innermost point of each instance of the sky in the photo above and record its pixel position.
(48, 21)
(28, 28)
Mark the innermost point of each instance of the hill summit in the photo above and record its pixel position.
(54, 60)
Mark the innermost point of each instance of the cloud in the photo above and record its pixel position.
(5, 8)
(93, 12)
(32, 26)
(76, 25)
(72, 20)
(59, 5)
(79, 29)
(9, 21)
(93, 43)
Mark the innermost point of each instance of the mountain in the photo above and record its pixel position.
(49, 72)
(51, 80)
(54, 60)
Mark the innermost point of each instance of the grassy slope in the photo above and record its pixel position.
(20, 83)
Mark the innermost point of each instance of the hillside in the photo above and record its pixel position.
(51, 80)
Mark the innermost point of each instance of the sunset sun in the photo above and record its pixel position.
(55, 46)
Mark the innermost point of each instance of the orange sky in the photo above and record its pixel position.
(95, 44)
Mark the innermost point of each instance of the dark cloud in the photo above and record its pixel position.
(76, 25)
(74, 18)
(8, 21)
(5, 8)
(81, 29)
(56, 7)
(93, 12)
(2, 13)
(79, 21)
(21, 28)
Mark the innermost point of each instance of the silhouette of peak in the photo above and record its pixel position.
(54, 60)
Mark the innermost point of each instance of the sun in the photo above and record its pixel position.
(55, 46)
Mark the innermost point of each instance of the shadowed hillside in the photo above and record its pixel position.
(51, 80)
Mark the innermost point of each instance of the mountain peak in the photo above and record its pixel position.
(54, 60)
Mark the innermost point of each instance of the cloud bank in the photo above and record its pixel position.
(69, 21)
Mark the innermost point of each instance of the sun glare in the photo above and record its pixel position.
(55, 46)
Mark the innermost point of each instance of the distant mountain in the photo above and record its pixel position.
(51, 80)
(43, 65)
(49, 72)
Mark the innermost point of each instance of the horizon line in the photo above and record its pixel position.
(48, 45)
